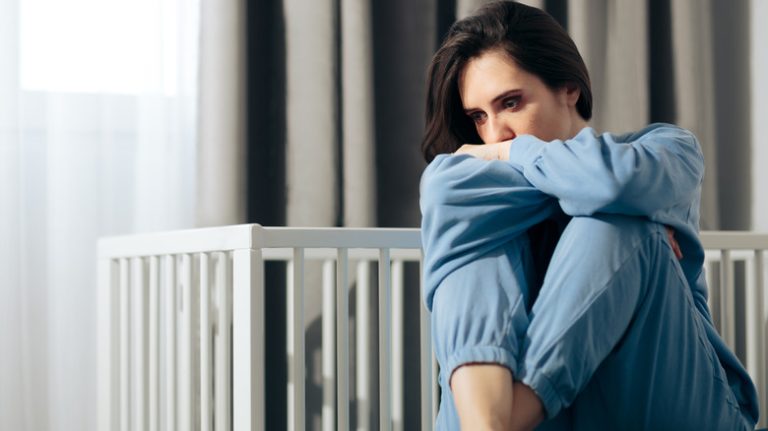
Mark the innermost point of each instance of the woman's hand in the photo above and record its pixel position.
(673, 242)
(498, 151)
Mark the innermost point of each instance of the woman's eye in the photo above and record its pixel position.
(477, 117)
(511, 102)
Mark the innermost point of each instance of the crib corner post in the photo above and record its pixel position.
(248, 340)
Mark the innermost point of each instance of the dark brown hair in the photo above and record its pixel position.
(531, 37)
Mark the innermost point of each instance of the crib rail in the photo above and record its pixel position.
(168, 302)
(182, 327)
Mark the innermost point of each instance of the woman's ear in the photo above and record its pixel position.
(572, 93)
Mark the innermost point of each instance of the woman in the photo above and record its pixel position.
(618, 334)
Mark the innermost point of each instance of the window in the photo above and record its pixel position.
(99, 46)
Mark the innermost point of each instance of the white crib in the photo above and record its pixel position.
(181, 324)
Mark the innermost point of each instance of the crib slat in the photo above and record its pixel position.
(296, 344)
(435, 386)
(248, 336)
(223, 344)
(140, 375)
(108, 344)
(125, 340)
(329, 346)
(169, 290)
(206, 393)
(185, 376)
(760, 328)
(727, 299)
(713, 299)
(425, 360)
(398, 316)
(363, 328)
(342, 338)
(154, 354)
(385, 353)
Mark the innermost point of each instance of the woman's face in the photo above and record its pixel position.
(505, 101)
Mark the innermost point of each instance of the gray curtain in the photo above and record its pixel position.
(312, 109)
(221, 119)
(354, 111)
(335, 97)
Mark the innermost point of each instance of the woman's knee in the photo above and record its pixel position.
(593, 249)
(613, 228)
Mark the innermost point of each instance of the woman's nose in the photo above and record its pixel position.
(499, 131)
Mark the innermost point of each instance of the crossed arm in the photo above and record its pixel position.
(659, 171)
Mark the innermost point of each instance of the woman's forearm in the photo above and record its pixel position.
(657, 169)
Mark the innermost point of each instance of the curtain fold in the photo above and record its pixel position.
(695, 91)
(221, 119)
(612, 38)
(732, 53)
(13, 316)
(311, 112)
(404, 41)
(358, 155)
(465, 8)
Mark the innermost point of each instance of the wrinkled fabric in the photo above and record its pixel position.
(613, 256)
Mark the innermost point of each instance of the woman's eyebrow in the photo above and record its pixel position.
(508, 93)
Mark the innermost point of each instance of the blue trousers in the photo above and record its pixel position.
(613, 340)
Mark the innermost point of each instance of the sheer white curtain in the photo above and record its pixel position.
(98, 136)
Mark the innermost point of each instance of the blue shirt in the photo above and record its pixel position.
(471, 206)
